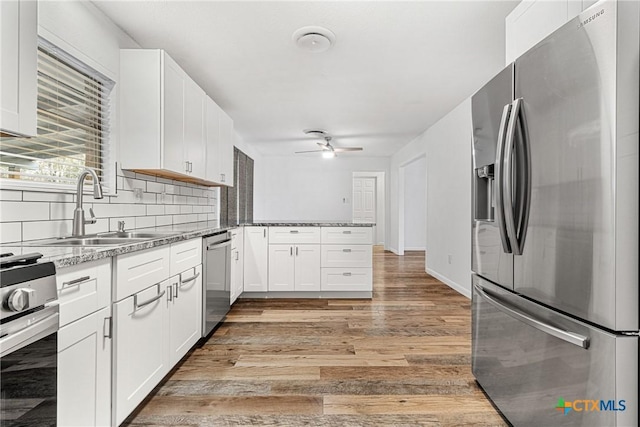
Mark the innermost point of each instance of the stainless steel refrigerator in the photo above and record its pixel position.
(555, 226)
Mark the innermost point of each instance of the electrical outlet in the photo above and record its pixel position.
(450, 258)
(137, 194)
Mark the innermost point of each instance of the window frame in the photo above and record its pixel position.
(110, 169)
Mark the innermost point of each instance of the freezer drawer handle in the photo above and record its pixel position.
(570, 337)
(147, 302)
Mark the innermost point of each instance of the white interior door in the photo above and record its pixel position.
(364, 199)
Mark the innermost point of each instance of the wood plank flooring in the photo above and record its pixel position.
(399, 359)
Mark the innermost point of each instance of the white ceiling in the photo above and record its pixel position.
(395, 69)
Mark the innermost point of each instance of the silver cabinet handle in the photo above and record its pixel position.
(77, 281)
(237, 255)
(190, 279)
(294, 231)
(137, 305)
(346, 274)
(570, 337)
(346, 232)
(186, 166)
(296, 251)
(346, 250)
(107, 327)
(175, 290)
(290, 250)
(264, 232)
(169, 294)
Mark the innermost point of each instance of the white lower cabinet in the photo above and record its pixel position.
(84, 371)
(184, 303)
(256, 255)
(141, 358)
(294, 268)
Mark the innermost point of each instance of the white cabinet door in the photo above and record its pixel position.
(307, 267)
(530, 22)
(227, 140)
(84, 371)
(256, 253)
(173, 117)
(194, 140)
(141, 358)
(185, 315)
(212, 124)
(281, 268)
(18, 69)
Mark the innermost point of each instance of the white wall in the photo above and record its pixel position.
(415, 208)
(449, 198)
(309, 188)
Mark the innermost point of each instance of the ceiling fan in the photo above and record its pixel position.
(326, 148)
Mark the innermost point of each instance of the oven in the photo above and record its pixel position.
(216, 284)
(28, 342)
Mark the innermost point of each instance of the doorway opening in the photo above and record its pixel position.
(412, 206)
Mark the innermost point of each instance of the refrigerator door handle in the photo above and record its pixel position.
(570, 337)
(523, 154)
(507, 178)
(499, 179)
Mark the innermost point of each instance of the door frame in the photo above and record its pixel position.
(401, 201)
(380, 236)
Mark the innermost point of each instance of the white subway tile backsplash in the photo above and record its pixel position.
(33, 230)
(10, 195)
(155, 210)
(29, 215)
(145, 221)
(164, 220)
(155, 187)
(23, 211)
(10, 232)
(35, 196)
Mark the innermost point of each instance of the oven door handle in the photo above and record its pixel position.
(29, 334)
(219, 245)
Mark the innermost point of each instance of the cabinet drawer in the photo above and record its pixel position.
(185, 255)
(346, 279)
(83, 289)
(139, 270)
(287, 235)
(341, 256)
(347, 235)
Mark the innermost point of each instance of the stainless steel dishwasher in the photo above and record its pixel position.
(217, 280)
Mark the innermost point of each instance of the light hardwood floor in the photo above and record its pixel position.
(400, 359)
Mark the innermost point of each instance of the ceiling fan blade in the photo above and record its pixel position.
(344, 149)
(323, 145)
(309, 151)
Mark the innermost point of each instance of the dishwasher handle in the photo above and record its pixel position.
(219, 245)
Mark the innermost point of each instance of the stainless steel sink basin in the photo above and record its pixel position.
(136, 234)
(113, 238)
(88, 241)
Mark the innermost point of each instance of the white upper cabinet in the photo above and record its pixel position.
(533, 20)
(219, 142)
(162, 117)
(18, 69)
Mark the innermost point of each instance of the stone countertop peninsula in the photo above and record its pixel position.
(64, 256)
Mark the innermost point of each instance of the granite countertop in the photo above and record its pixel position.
(64, 256)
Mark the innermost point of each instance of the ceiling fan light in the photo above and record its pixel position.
(328, 154)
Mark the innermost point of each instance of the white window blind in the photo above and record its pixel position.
(73, 123)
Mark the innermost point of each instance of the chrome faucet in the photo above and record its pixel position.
(78, 213)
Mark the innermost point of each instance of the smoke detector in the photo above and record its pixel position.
(314, 39)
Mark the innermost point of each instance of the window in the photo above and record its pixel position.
(73, 124)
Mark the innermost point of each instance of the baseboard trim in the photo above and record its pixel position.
(394, 250)
(415, 248)
(453, 285)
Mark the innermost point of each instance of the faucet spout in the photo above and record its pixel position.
(78, 214)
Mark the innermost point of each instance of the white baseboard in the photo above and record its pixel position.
(453, 285)
(414, 248)
(394, 250)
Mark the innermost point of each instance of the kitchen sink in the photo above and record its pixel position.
(114, 238)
